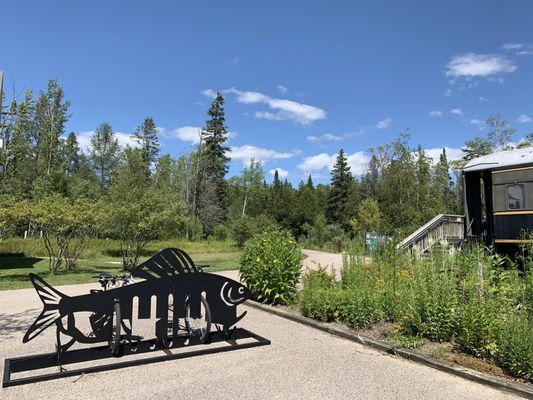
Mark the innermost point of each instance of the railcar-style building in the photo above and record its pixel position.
(498, 198)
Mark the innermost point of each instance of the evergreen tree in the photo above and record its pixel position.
(146, 136)
(72, 154)
(310, 181)
(424, 201)
(370, 180)
(104, 153)
(341, 181)
(443, 186)
(213, 193)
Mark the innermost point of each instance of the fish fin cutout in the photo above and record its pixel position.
(167, 262)
(50, 314)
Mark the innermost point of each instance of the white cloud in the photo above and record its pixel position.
(328, 137)
(478, 65)
(124, 139)
(476, 121)
(456, 111)
(448, 92)
(187, 134)
(435, 113)
(318, 162)
(482, 99)
(451, 153)
(283, 89)
(233, 61)
(525, 52)
(331, 138)
(512, 46)
(384, 124)
(282, 109)
(282, 173)
(357, 161)
(522, 119)
(268, 116)
(246, 152)
(209, 93)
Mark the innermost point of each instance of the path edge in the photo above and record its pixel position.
(467, 373)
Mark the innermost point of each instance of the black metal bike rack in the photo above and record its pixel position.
(180, 288)
(34, 363)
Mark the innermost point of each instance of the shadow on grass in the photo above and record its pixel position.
(14, 262)
(118, 254)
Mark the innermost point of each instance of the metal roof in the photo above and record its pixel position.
(508, 158)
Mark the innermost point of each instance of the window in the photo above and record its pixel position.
(515, 197)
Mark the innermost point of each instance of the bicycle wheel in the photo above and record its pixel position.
(201, 326)
(116, 323)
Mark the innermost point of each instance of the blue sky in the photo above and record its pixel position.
(301, 78)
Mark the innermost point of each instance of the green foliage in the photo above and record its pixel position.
(270, 266)
(320, 298)
(478, 326)
(515, 350)
(431, 302)
(243, 229)
(341, 181)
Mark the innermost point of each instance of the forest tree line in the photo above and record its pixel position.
(51, 187)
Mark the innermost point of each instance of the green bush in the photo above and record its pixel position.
(478, 325)
(270, 266)
(360, 307)
(516, 346)
(431, 304)
(319, 298)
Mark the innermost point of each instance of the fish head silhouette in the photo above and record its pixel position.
(234, 293)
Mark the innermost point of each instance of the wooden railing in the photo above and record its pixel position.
(445, 229)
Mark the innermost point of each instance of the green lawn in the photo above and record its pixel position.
(18, 258)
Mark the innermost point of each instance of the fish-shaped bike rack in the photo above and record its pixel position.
(181, 290)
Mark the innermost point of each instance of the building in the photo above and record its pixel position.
(498, 198)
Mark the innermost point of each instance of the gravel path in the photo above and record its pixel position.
(301, 363)
(331, 261)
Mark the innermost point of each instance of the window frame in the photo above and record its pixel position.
(523, 200)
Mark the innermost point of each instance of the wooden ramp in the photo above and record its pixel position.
(444, 229)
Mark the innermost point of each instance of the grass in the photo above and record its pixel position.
(20, 257)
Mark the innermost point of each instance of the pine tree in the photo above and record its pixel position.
(310, 182)
(443, 186)
(146, 136)
(214, 165)
(341, 182)
(370, 180)
(72, 154)
(104, 153)
(424, 201)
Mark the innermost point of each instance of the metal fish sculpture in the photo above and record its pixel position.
(168, 275)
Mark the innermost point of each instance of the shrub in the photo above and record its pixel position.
(478, 325)
(221, 232)
(270, 266)
(516, 346)
(359, 307)
(319, 297)
(431, 303)
(243, 229)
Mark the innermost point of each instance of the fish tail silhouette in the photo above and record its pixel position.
(50, 314)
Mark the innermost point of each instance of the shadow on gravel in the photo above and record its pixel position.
(16, 323)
